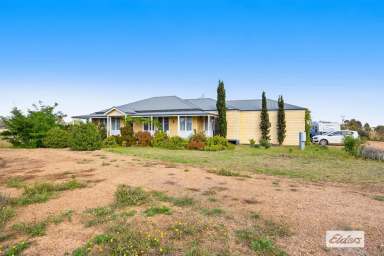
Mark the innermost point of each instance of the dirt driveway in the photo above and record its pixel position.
(308, 209)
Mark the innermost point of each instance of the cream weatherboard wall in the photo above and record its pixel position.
(197, 124)
(245, 125)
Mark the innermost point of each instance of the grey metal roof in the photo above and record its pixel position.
(159, 104)
(168, 105)
(248, 105)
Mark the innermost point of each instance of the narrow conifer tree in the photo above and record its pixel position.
(308, 125)
(221, 109)
(265, 125)
(281, 124)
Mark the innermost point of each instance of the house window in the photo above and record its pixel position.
(185, 123)
(164, 123)
(148, 125)
(206, 123)
(115, 124)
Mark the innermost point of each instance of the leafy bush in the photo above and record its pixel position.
(30, 130)
(56, 138)
(252, 142)
(160, 139)
(265, 143)
(102, 130)
(85, 137)
(118, 139)
(143, 138)
(127, 135)
(352, 145)
(110, 142)
(217, 143)
(197, 141)
(176, 142)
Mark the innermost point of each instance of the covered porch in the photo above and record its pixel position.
(174, 125)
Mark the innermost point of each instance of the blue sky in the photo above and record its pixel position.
(89, 55)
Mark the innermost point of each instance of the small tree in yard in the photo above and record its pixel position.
(30, 130)
(221, 109)
(265, 125)
(281, 123)
(308, 124)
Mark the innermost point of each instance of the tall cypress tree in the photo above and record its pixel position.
(265, 125)
(281, 124)
(308, 124)
(221, 109)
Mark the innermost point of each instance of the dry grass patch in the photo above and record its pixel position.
(42, 192)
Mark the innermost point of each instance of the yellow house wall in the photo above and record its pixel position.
(245, 125)
(197, 124)
(233, 124)
(173, 126)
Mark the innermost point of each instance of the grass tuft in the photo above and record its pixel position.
(379, 198)
(152, 211)
(15, 182)
(42, 192)
(17, 249)
(130, 196)
(212, 212)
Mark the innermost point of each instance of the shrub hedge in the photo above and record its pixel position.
(85, 137)
(56, 137)
(217, 143)
(143, 138)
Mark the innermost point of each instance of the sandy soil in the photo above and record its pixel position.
(310, 209)
(376, 144)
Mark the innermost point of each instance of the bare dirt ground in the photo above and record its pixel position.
(309, 209)
(376, 144)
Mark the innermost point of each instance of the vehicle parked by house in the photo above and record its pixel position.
(323, 127)
(336, 137)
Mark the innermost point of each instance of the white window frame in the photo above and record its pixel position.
(184, 120)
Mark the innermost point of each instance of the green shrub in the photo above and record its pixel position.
(176, 142)
(143, 138)
(160, 139)
(265, 143)
(352, 145)
(56, 138)
(102, 130)
(29, 130)
(85, 137)
(110, 142)
(252, 142)
(197, 141)
(217, 143)
(118, 139)
(127, 135)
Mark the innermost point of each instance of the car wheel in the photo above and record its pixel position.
(323, 142)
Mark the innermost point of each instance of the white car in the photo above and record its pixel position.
(336, 137)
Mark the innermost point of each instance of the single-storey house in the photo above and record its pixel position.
(183, 117)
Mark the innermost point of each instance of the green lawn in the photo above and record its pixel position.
(315, 163)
